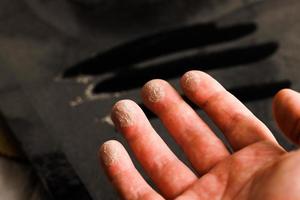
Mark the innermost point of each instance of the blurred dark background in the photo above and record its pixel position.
(64, 63)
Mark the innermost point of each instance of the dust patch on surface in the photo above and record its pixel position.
(77, 101)
(107, 119)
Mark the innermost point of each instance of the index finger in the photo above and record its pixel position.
(236, 122)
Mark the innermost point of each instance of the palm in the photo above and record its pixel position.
(253, 171)
(237, 176)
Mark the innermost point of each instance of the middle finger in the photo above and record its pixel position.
(202, 147)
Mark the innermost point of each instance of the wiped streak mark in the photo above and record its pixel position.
(163, 43)
(135, 78)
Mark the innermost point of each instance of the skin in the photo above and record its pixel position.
(259, 168)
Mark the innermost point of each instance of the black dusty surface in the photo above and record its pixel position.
(64, 63)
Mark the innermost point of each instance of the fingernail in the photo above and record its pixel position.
(123, 113)
(153, 91)
(110, 152)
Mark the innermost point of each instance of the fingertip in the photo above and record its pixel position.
(282, 101)
(123, 113)
(110, 152)
(190, 80)
(153, 91)
(198, 85)
(159, 96)
(280, 95)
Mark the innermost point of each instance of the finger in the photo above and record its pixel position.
(169, 174)
(286, 108)
(237, 123)
(123, 174)
(202, 147)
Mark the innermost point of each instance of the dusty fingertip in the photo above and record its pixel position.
(123, 113)
(190, 81)
(153, 91)
(110, 152)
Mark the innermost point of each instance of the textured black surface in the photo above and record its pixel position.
(50, 112)
(60, 178)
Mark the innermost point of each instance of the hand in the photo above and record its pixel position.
(258, 169)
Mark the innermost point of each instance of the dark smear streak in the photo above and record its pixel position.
(134, 78)
(163, 43)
